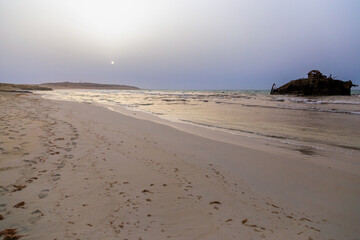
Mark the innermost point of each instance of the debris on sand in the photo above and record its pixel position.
(10, 234)
(18, 187)
(19, 205)
(146, 191)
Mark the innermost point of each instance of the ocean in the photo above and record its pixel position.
(328, 122)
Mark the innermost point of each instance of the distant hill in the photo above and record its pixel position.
(7, 87)
(86, 85)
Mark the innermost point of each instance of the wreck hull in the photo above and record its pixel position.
(334, 87)
(315, 84)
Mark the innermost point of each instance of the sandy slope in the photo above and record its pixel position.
(91, 173)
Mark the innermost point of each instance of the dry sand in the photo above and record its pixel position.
(79, 171)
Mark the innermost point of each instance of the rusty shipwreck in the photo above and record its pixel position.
(315, 84)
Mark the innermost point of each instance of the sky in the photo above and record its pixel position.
(178, 44)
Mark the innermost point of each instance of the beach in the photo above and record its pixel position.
(75, 170)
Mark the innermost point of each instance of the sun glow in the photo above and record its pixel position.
(115, 22)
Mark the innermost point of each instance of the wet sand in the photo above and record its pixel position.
(79, 171)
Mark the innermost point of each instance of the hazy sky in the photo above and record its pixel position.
(178, 44)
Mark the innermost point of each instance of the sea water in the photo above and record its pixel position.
(331, 121)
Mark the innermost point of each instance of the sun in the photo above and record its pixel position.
(112, 62)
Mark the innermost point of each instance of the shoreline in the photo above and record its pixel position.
(329, 154)
(118, 170)
(293, 130)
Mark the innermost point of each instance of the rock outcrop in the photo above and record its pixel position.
(315, 84)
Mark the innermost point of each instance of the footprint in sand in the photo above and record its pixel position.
(56, 177)
(61, 165)
(2, 190)
(3, 207)
(30, 161)
(36, 216)
(43, 193)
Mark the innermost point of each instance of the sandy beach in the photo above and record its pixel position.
(80, 171)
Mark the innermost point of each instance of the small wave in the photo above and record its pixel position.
(338, 102)
(145, 104)
(313, 109)
(312, 101)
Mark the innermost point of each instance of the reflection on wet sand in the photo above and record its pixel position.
(329, 121)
